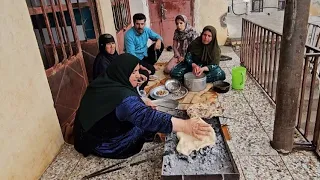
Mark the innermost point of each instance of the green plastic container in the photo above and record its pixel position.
(238, 77)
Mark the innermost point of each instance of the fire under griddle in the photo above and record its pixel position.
(214, 162)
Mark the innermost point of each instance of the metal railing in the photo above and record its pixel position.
(313, 35)
(308, 120)
(260, 53)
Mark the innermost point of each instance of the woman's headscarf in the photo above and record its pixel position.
(103, 40)
(103, 59)
(106, 92)
(186, 36)
(209, 53)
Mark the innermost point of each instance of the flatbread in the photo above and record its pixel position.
(211, 98)
(188, 98)
(196, 99)
(203, 99)
(188, 143)
(204, 110)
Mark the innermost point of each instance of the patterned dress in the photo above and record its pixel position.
(215, 73)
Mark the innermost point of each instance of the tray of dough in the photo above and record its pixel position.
(192, 162)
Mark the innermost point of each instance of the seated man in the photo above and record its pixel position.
(135, 42)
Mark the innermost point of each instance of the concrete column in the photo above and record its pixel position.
(289, 73)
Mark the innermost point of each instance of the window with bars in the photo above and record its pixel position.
(121, 14)
(54, 23)
(281, 4)
(257, 5)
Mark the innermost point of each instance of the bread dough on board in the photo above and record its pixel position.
(188, 143)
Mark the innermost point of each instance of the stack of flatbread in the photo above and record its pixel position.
(201, 106)
(204, 110)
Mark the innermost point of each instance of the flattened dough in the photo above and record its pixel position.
(188, 143)
(204, 110)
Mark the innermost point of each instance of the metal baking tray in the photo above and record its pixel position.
(214, 162)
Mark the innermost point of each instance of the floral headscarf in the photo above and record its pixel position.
(186, 36)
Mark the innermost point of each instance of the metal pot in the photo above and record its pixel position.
(194, 83)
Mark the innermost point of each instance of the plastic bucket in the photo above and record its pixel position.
(238, 77)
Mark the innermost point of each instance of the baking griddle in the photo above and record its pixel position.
(215, 162)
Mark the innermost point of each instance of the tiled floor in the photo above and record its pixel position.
(249, 116)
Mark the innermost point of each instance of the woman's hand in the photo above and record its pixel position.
(197, 128)
(199, 73)
(201, 70)
(142, 79)
(195, 69)
(193, 127)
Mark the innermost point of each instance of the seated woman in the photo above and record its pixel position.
(203, 57)
(107, 53)
(113, 122)
(182, 37)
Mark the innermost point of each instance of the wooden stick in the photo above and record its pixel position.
(121, 162)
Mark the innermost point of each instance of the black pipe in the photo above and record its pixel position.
(233, 10)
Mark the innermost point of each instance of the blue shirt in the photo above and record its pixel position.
(136, 44)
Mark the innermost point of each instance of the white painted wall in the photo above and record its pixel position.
(30, 134)
(209, 12)
(270, 6)
(140, 6)
(106, 17)
(239, 7)
(315, 8)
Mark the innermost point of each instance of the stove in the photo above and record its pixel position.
(214, 162)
